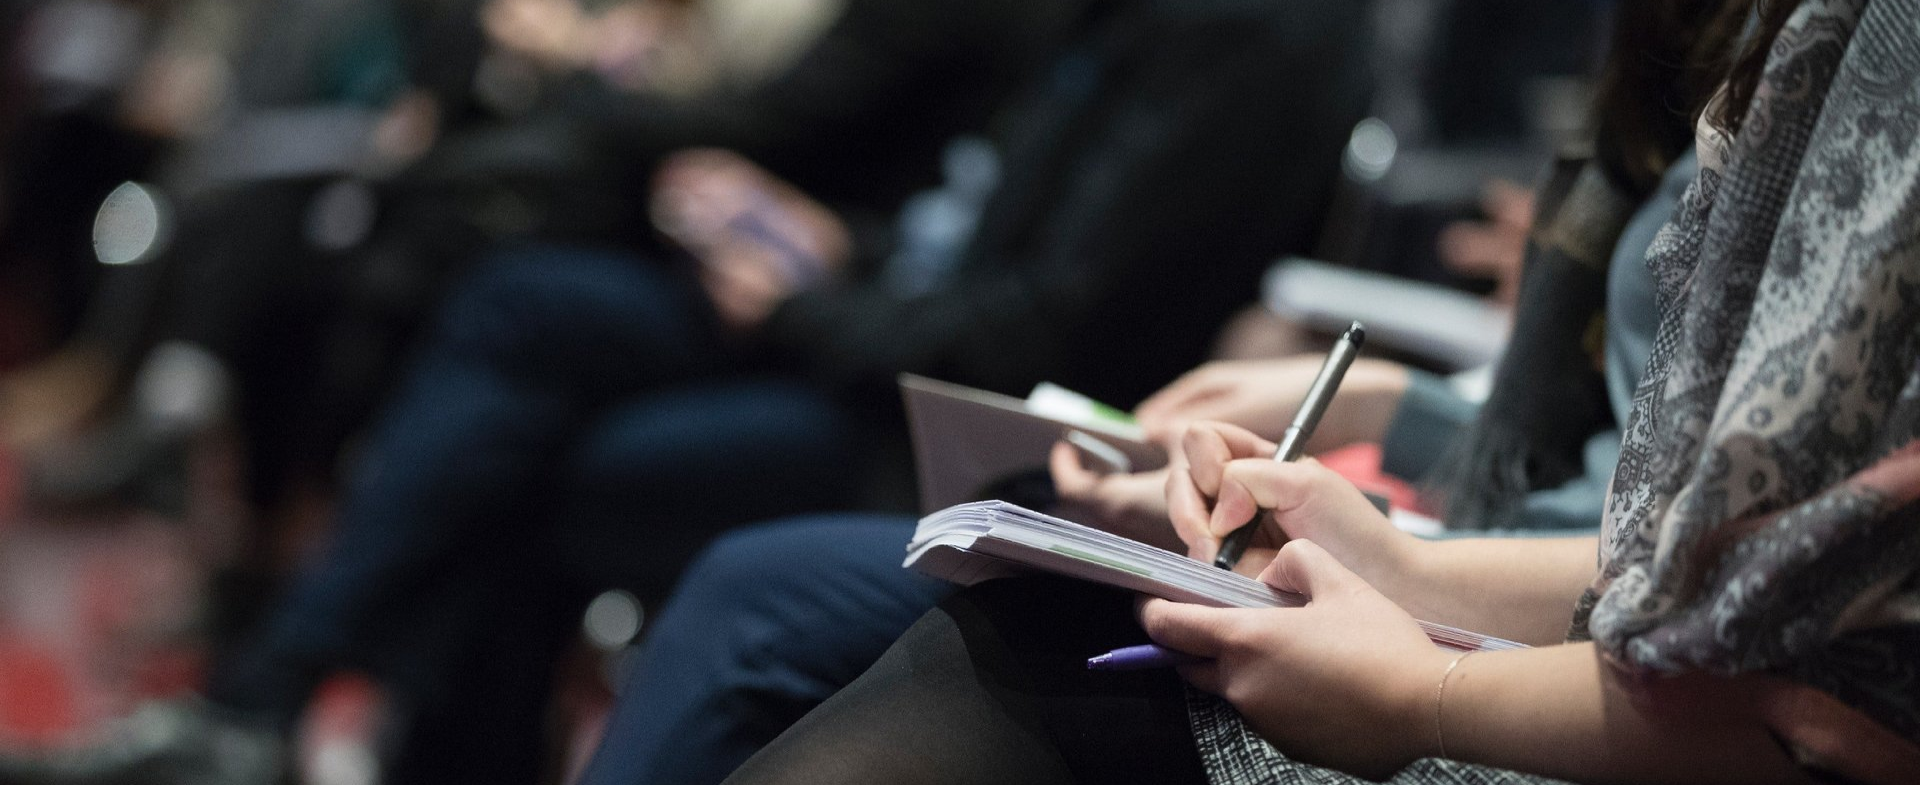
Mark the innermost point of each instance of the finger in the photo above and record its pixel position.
(1234, 505)
(739, 292)
(1249, 485)
(1190, 515)
(733, 306)
(1161, 405)
(1209, 446)
(1184, 627)
(1070, 478)
(1200, 674)
(1508, 203)
(1207, 454)
(1303, 567)
(752, 267)
(1163, 429)
(1241, 442)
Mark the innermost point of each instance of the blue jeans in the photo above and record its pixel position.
(767, 623)
(569, 403)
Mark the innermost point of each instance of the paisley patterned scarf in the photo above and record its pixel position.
(1765, 514)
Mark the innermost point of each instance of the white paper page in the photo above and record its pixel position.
(1002, 533)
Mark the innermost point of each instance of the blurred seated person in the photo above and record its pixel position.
(362, 163)
(584, 415)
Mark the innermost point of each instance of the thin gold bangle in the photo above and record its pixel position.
(1440, 702)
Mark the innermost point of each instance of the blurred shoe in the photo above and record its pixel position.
(181, 742)
(120, 464)
(54, 396)
(139, 456)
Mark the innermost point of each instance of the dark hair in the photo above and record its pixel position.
(1664, 61)
(1750, 28)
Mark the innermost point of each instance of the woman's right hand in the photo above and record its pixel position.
(1229, 478)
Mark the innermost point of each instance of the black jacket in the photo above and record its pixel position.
(1150, 173)
(857, 121)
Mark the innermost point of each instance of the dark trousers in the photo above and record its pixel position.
(768, 623)
(992, 687)
(574, 419)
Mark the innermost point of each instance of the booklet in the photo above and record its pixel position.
(1452, 327)
(971, 444)
(972, 542)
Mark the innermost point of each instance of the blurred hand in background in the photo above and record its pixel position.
(758, 240)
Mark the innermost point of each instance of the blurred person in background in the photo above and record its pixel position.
(304, 222)
(365, 152)
(300, 257)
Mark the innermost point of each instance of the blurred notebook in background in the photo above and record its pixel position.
(1449, 328)
(970, 444)
(972, 542)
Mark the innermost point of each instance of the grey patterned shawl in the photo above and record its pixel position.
(1763, 517)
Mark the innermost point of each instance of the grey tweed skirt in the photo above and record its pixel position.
(1234, 755)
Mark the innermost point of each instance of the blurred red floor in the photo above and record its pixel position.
(96, 612)
(99, 612)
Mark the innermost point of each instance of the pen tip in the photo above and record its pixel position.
(1357, 333)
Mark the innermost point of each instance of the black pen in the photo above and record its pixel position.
(1304, 421)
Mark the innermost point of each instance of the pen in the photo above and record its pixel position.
(1304, 421)
(1133, 658)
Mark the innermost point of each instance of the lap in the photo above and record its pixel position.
(601, 320)
(993, 687)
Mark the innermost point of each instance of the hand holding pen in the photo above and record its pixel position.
(1210, 448)
(1205, 504)
(1304, 422)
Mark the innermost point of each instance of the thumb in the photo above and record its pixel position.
(1303, 567)
(1184, 627)
(1070, 477)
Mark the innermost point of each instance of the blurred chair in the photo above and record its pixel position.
(1469, 91)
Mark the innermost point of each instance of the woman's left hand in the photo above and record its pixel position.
(1132, 505)
(1346, 681)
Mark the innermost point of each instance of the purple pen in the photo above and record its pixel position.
(1133, 658)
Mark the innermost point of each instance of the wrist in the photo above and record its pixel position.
(1395, 568)
(1420, 704)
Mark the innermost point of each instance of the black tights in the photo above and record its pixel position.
(992, 687)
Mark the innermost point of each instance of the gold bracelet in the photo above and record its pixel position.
(1439, 702)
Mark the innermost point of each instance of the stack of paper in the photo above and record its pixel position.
(969, 543)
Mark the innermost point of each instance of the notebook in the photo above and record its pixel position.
(971, 444)
(976, 541)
